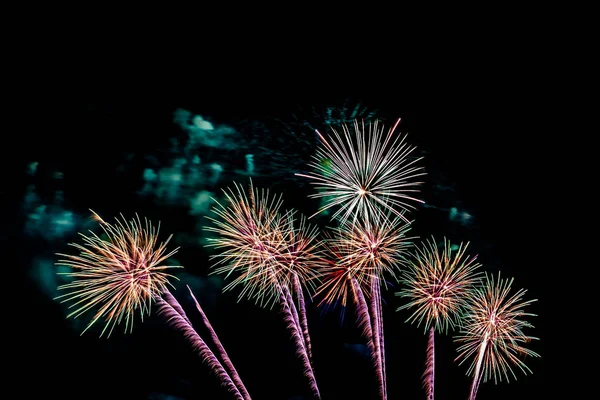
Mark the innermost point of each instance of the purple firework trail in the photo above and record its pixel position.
(224, 356)
(429, 374)
(173, 314)
(290, 319)
(362, 316)
(303, 320)
(381, 338)
(378, 335)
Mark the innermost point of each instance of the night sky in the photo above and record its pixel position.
(119, 149)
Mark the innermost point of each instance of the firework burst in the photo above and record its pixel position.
(492, 332)
(365, 251)
(120, 275)
(437, 283)
(263, 246)
(123, 274)
(273, 254)
(364, 171)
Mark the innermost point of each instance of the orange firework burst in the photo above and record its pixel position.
(492, 332)
(437, 284)
(364, 249)
(263, 246)
(365, 172)
(122, 274)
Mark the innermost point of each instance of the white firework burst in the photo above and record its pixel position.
(365, 172)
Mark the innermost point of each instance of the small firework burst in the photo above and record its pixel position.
(263, 246)
(492, 332)
(120, 275)
(364, 172)
(437, 284)
(363, 250)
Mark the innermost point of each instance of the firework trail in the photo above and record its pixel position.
(492, 332)
(377, 329)
(302, 250)
(224, 356)
(437, 283)
(296, 332)
(272, 254)
(429, 374)
(302, 309)
(123, 274)
(363, 317)
(172, 301)
(173, 317)
(364, 172)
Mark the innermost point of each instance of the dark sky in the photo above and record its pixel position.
(481, 150)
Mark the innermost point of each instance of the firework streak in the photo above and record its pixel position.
(224, 356)
(175, 317)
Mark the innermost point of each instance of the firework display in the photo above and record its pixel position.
(367, 178)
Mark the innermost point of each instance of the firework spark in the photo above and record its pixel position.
(492, 332)
(120, 275)
(364, 172)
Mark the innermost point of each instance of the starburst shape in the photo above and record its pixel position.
(362, 250)
(364, 171)
(259, 246)
(436, 283)
(120, 275)
(492, 331)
